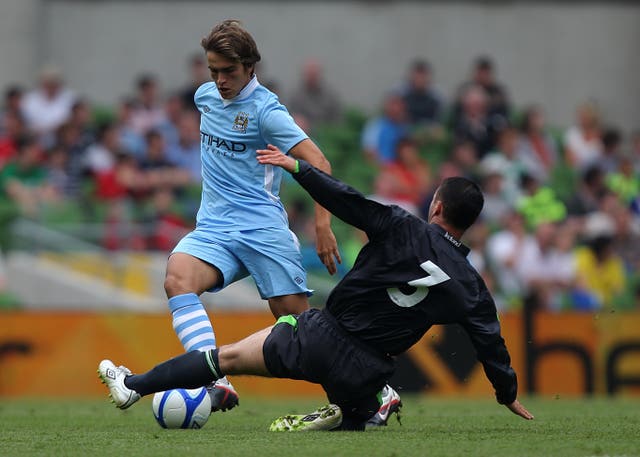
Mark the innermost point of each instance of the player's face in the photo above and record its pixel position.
(230, 76)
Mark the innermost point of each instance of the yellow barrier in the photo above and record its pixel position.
(56, 354)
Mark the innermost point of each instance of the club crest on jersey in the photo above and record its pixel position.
(241, 122)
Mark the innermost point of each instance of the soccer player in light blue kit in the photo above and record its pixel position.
(242, 227)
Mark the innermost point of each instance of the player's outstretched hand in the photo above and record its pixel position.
(517, 408)
(274, 156)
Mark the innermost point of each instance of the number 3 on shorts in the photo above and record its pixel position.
(436, 276)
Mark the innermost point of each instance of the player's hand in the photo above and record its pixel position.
(327, 249)
(274, 156)
(517, 408)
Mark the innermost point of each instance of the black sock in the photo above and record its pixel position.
(187, 371)
(214, 364)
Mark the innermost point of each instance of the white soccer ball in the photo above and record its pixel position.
(182, 408)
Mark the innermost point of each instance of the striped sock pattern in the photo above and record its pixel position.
(191, 323)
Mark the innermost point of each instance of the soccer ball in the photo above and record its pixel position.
(182, 408)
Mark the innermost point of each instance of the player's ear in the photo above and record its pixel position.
(437, 207)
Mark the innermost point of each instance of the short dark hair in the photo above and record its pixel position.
(484, 63)
(462, 201)
(420, 65)
(233, 42)
(611, 138)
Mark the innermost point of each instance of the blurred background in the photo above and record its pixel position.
(100, 173)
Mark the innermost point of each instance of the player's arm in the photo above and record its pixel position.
(483, 328)
(326, 244)
(342, 200)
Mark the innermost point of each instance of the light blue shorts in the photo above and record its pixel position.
(270, 255)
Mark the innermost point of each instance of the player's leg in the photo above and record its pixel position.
(356, 411)
(200, 262)
(186, 278)
(272, 257)
(288, 304)
(190, 370)
(390, 403)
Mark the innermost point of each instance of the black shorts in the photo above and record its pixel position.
(313, 347)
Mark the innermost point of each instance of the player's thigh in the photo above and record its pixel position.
(272, 257)
(186, 273)
(215, 251)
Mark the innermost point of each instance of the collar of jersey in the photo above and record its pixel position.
(464, 250)
(244, 93)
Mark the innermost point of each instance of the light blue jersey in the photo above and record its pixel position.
(242, 227)
(238, 193)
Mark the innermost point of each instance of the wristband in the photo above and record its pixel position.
(296, 169)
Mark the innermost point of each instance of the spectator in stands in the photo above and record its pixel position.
(587, 195)
(546, 267)
(536, 144)
(157, 170)
(476, 240)
(462, 161)
(507, 161)
(424, 104)
(165, 226)
(583, 141)
(14, 128)
(185, 153)
(101, 156)
(155, 155)
(406, 180)
(198, 75)
(70, 139)
(624, 182)
(147, 113)
(174, 109)
(58, 177)
(131, 141)
(381, 134)
(23, 179)
(600, 271)
(483, 76)
(82, 119)
(539, 204)
(49, 105)
(474, 122)
(12, 104)
(503, 254)
(611, 145)
(627, 232)
(496, 207)
(314, 98)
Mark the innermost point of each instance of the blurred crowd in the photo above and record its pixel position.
(560, 228)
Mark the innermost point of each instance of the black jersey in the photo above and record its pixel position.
(408, 277)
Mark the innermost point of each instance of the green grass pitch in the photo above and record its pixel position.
(430, 427)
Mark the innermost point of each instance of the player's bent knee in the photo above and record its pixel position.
(288, 304)
(175, 285)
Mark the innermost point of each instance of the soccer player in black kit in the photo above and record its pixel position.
(411, 275)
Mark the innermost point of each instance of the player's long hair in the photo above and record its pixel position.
(233, 42)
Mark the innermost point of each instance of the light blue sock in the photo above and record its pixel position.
(191, 323)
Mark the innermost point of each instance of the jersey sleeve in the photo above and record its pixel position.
(483, 328)
(344, 202)
(201, 93)
(278, 128)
